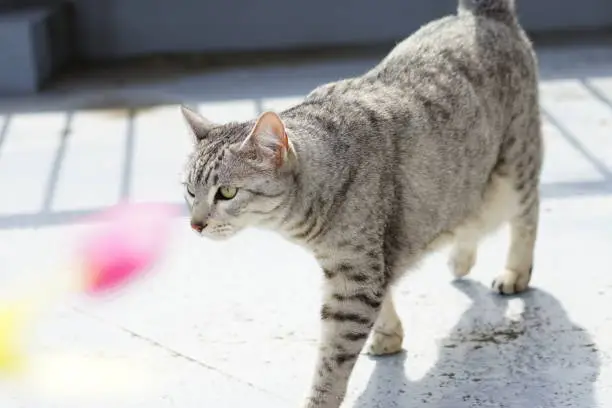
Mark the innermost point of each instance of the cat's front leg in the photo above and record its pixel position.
(354, 292)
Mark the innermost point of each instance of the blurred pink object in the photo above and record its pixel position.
(131, 238)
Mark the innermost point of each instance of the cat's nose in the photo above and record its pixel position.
(198, 226)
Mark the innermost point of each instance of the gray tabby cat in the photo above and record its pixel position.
(440, 143)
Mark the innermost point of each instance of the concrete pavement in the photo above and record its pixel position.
(232, 325)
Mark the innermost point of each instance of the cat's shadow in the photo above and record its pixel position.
(488, 360)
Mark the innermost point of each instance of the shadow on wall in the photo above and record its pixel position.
(487, 360)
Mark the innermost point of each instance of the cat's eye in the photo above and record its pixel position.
(189, 191)
(226, 193)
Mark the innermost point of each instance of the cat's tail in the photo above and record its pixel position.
(503, 9)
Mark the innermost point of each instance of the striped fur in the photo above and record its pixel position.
(438, 144)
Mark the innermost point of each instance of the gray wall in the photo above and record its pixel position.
(120, 28)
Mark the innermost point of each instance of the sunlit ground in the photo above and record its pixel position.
(232, 324)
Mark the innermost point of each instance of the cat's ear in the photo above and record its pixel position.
(198, 125)
(268, 139)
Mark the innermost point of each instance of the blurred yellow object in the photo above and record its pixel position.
(13, 319)
(17, 316)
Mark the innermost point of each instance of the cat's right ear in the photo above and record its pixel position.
(199, 126)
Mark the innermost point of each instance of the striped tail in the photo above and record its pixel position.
(489, 8)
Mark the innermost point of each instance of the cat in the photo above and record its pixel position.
(439, 144)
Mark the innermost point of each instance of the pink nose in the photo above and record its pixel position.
(198, 227)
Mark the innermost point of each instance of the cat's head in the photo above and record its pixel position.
(238, 174)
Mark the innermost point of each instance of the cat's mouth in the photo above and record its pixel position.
(218, 232)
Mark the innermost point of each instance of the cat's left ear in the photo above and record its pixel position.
(198, 124)
(269, 140)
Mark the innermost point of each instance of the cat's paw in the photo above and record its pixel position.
(386, 342)
(461, 263)
(511, 282)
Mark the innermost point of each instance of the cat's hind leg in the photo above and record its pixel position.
(523, 163)
(463, 255)
(519, 262)
(504, 201)
(498, 205)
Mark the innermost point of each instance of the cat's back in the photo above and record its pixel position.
(450, 69)
(462, 55)
(447, 91)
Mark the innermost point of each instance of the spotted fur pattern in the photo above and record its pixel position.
(438, 144)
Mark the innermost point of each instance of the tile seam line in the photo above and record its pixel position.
(179, 354)
(595, 91)
(574, 142)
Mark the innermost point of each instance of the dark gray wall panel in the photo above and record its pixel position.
(147, 26)
(35, 42)
(119, 28)
(25, 60)
(556, 15)
(124, 28)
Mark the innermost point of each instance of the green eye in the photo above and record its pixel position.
(227, 193)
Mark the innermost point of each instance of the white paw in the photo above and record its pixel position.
(462, 262)
(511, 282)
(386, 342)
